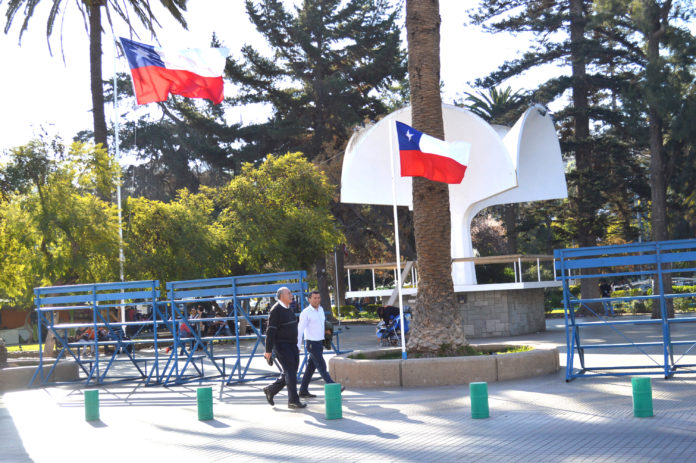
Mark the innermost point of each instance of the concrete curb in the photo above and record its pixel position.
(16, 378)
(443, 371)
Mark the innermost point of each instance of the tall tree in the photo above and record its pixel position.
(54, 229)
(568, 32)
(332, 63)
(666, 52)
(437, 320)
(92, 12)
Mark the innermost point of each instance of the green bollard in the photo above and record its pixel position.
(479, 400)
(92, 405)
(204, 396)
(642, 397)
(332, 401)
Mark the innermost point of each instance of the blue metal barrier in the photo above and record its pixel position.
(236, 290)
(644, 260)
(93, 305)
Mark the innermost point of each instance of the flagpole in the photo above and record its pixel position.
(117, 156)
(396, 241)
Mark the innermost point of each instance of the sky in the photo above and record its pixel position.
(51, 93)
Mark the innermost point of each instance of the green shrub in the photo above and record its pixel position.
(344, 310)
(371, 309)
(641, 306)
(553, 298)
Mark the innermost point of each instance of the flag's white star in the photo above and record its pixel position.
(409, 135)
(146, 53)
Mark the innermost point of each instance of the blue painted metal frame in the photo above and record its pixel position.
(96, 298)
(638, 259)
(235, 290)
(167, 316)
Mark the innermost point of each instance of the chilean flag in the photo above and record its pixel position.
(192, 72)
(426, 156)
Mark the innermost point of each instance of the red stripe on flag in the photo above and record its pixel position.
(432, 166)
(154, 83)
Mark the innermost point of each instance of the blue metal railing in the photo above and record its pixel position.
(653, 259)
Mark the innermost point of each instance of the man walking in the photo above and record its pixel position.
(312, 326)
(281, 339)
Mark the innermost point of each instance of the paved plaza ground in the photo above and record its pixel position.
(541, 419)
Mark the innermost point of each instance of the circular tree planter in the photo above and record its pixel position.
(441, 371)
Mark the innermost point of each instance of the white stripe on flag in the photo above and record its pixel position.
(458, 151)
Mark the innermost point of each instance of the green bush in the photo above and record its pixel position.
(683, 289)
(345, 309)
(371, 309)
(553, 298)
(641, 307)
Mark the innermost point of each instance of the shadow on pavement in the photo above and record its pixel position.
(12, 447)
(348, 426)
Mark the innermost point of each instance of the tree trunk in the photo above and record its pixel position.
(95, 68)
(340, 271)
(658, 184)
(3, 354)
(322, 283)
(585, 201)
(49, 348)
(510, 217)
(436, 318)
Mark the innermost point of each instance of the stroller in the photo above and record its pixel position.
(389, 327)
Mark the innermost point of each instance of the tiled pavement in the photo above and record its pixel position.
(541, 419)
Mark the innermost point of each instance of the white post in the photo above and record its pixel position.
(519, 262)
(396, 242)
(349, 287)
(538, 270)
(117, 156)
(374, 285)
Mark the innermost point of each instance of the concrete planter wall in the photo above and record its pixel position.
(18, 377)
(441, 371)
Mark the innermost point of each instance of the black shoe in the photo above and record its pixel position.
(297, 405)
(307, 395)
(269, 396)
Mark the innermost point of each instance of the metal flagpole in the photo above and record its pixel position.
(117, 156)
(396, 241)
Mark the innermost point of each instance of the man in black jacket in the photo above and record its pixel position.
(281, 339)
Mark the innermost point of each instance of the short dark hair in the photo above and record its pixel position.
(314, 292)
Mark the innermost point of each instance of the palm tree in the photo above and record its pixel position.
(498, 106)
(92, 12)
(437, 321)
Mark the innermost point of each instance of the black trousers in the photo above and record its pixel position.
(289, 357)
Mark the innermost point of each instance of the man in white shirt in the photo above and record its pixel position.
(312, 327)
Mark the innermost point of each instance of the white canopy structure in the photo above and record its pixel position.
(506, 166)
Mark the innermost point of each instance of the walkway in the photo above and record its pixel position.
(542, 419)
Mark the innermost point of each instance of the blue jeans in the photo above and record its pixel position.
(315, 362)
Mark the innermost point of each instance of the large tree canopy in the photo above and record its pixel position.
(277, 216)
(331, 64)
